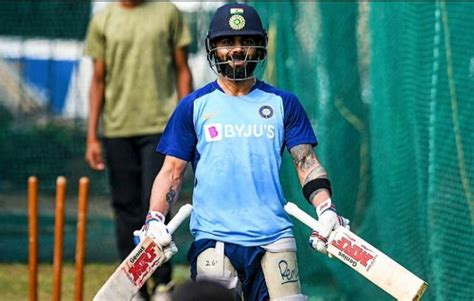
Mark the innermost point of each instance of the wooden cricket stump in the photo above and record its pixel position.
(32, 238)
(58, 238)
(81, 237)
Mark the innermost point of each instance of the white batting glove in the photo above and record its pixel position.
(156, 229)
(329, 221)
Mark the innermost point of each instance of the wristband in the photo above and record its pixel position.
(314, 185)
(156, 216)
(324, 206)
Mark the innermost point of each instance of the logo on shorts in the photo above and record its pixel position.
(266, 112)
(213, 132)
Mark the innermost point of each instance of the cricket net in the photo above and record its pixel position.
(389, 90)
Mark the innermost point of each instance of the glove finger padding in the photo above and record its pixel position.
(328, 221)
(344, 222)
(156, 229)
(318, 242)
(170, 251)
(138, 236)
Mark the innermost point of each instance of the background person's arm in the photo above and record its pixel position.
(184, 78)
(94, 155)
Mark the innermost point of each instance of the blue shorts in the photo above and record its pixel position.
(247, 262)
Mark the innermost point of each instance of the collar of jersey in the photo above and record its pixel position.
(258, 84)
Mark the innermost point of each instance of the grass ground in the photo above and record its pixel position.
(14, 280)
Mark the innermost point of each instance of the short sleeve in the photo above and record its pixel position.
(179, 137)
(95, 40)
(180, 34)
(298, 128)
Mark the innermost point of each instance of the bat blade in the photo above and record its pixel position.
(140, 264)
(368, 261)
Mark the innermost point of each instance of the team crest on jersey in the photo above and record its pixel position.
(266, 112)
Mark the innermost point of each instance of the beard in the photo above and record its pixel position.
(227, 66)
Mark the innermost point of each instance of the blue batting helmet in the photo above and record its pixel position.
(236, 19)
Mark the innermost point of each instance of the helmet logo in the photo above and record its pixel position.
(236, 21)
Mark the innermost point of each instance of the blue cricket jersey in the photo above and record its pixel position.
(235, 145)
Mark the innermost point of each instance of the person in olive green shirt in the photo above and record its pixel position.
(140, 71)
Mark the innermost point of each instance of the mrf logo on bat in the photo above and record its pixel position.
(141, 263)
(354, 253)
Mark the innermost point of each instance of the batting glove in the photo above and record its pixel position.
(156, 229)
(329, 221)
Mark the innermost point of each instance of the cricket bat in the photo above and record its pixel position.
(367, 260)
(132, 273)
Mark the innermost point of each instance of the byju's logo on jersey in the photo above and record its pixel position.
(217, 132)
(213, 132)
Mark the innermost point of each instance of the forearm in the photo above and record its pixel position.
(166, 188)
(317, 190)
(184, 82)
(308, 169)
(96, 99)
(164, 194)
(95, 109)
(184, 78)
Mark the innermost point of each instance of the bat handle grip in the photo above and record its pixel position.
(293, 210)
(179, 217)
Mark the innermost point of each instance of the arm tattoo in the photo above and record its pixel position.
(317, 172)
(170, 196)
(308, 166)
(303, 156)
